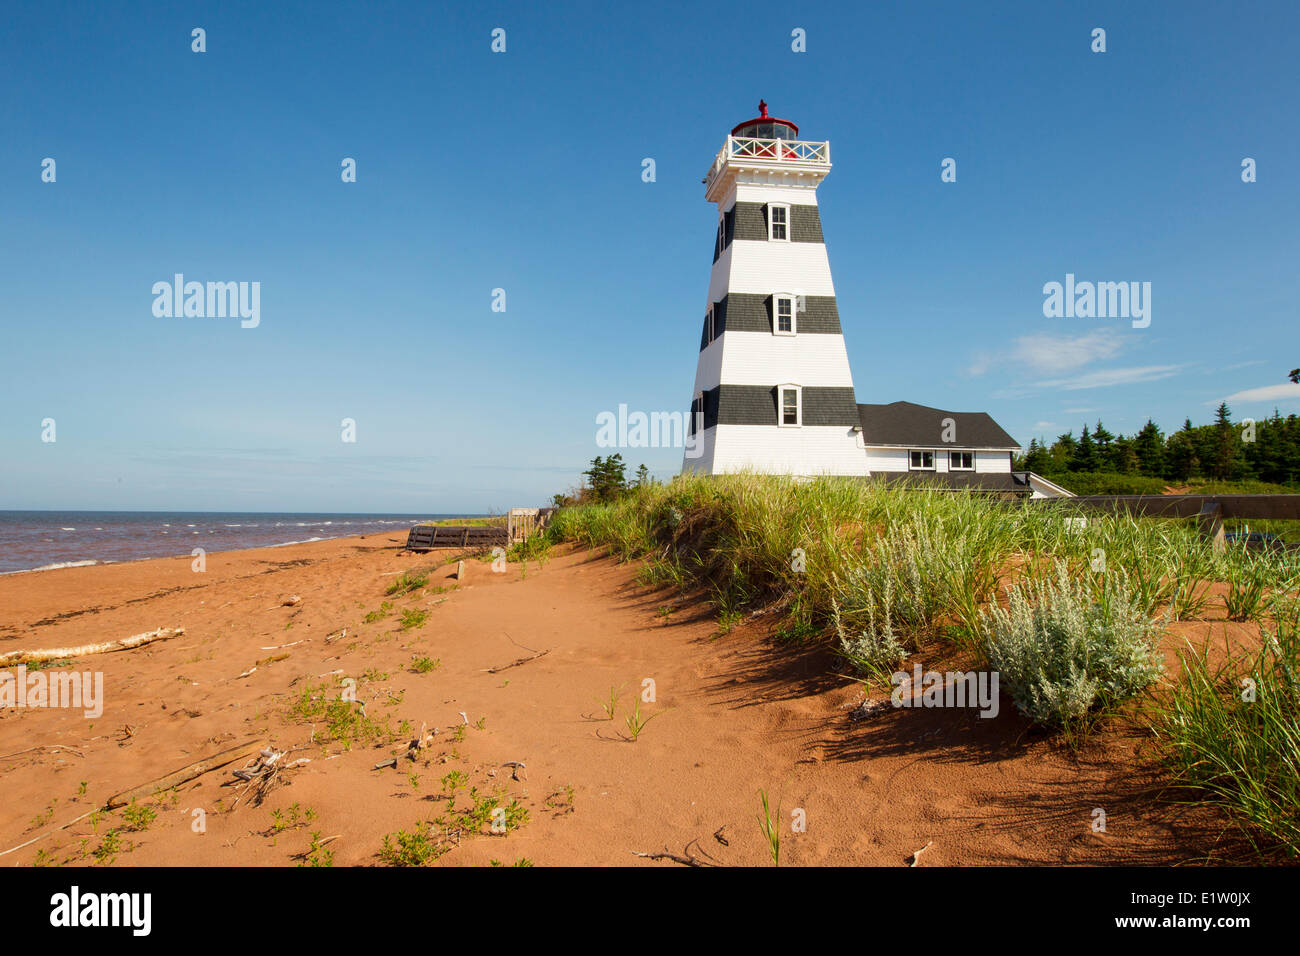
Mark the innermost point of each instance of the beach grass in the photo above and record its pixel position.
(1232, 733)
(1070, 606)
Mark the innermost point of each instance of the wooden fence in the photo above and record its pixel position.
(524, 523)
(1210, 511)
(521, 524)
(427, 537)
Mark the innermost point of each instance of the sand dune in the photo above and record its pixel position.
(733, 715)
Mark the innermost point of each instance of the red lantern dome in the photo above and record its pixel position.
(766, 127)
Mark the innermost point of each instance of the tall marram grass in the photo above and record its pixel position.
(1232, 733)
(1069, 609)
(923, 563)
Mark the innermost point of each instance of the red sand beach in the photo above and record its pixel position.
(734, 714)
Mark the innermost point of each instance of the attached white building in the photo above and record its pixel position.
(773, 391)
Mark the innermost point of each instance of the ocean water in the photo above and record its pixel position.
(33, 540)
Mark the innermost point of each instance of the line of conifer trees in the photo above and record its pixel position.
(1266, 450)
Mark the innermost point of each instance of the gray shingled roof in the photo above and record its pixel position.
(907, 425)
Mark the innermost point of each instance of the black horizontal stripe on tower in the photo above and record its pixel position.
(745, 312)
(757, 405)
(751, 222)
(748, 220)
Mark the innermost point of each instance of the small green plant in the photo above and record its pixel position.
(43, 818)
(295, 817)
(770, 824)
(414, 779)
(414, 617)
(384, 610)
(407, 582)
(635, 722)
(411, 849)
(610, 704)
(317, 854)
(345, 720)
(138, 817)
(453, 781)
(561, 801)
(109, 848)
(423, 665)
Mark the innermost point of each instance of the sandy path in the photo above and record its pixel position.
(734, 714)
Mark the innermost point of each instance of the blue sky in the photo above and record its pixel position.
(522, 171)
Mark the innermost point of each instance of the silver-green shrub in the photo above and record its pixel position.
(1061, 653)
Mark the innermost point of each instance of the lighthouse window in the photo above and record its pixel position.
(921, 460)
(783, 314)
(778, 222)
(722, 236)
(712, 320)
(789, 405)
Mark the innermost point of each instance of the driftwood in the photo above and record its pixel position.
(690, 859)
(59, 653)
(522, 660)
(36, 839)
(188, 772)
(262, 773)
(916, 857)
(196, 769)
(43, 747)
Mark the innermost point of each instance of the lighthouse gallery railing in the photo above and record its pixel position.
(794, 151)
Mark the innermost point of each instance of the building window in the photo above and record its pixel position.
(791, 405)
(721, 242)
(778, 222)
(783, 314)
(961, 460)
(920, 460)
(711, 323)
(697, 415)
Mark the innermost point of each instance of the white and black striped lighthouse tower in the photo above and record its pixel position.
(773, 391)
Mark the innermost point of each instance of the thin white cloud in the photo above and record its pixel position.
(1107, 378)
(1044, 352)
(1285, 392)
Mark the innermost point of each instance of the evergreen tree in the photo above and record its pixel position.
(1103, 440)
(1149, 446)
(1062, 452)
(1037, 458)
(1227, 445)
(1085, 453)
(1123, 456)
(1182, 457)
(607, 477)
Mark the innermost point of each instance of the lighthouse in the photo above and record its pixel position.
(773, 392)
